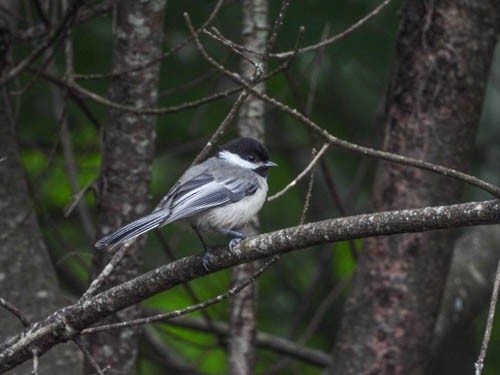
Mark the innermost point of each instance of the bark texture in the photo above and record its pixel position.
(444, 52)
(467, 293)
(243, 319)
(67, 322)
(27, 278)
(128, 148)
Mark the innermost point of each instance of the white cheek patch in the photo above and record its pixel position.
(237, 160)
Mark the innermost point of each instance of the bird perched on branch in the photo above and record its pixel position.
(219, 195)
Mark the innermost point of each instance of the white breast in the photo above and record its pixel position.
(234, 215)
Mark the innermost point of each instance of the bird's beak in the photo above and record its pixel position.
(270, 164)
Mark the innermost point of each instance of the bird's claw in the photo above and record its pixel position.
(206, 261)
(233, 243)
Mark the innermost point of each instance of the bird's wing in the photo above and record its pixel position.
(185, 199)
(203, 192)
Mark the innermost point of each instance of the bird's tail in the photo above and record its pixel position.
(134, 229)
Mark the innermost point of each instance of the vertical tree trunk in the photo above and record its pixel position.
(243, 320)
(27, 278)
(444, 51)
(128, 148)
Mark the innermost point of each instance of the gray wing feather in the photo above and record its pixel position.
(193, 193)
(132, 230)
(210, 194)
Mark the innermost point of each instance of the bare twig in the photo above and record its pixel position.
(60, 108)
(367, 151)
(263, 340)
(307, 201)
(88, 356)
(38, 51)
(322, 309)
(271, 41)
(489, 323)
(324, 42)
(79, 91)
(301, 175)
(313, 84)
(15, 311)
(41, 13)
(206, 76)
(172, 314)
(35, 361)
(85, 13)
(338, 36)
(255, 79)
(107, 270)
(170, 52)
(187, 287)
(216, 136)
(78, 197)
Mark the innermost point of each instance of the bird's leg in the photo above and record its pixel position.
(206, 248)
(238, 236)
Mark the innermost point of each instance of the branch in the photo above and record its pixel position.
(338, 36)
(66, 323)
(63, 26)
(263, 340)
(367, 151)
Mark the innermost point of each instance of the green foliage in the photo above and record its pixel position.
(353, 76)
(353, 73)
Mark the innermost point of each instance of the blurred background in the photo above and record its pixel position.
(341, 87)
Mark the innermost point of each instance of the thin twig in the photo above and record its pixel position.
(217, 135)
(338, 36)
(322, 309)
(147, 64)
(38, 51)
(35, 361)
(15, 311)
(307, 201)
(88, 355)
(187, 287)
(367, 151)
(172, 314)
(97, 282)
(489, 323)
(263, 340)
(41, 13)
(324, 42)
(78, 91)
(78, 197)
(315, 74)
(206, 76)
(274, 32)
(255, 80)
(217, 35)
(301, 175)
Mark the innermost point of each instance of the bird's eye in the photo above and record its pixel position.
(251, 158)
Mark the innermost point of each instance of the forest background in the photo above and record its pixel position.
(84, 151)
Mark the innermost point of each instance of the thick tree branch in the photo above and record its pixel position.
(67, 322)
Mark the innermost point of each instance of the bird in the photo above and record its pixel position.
(220, 195)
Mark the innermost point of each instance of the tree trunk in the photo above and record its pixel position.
(27, 278)
(243, 319)
(127, 156)
(444, 52)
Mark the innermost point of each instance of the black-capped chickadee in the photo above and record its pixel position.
(220, 195)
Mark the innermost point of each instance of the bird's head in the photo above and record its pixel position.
(247, 153)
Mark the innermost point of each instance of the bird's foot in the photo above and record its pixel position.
(238, 237)
(206, 259)
(233, 243)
